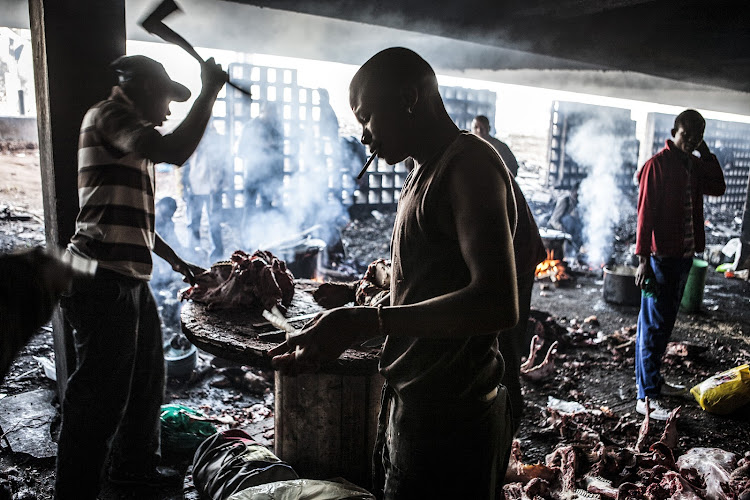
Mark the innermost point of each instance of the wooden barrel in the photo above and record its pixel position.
(325, 424)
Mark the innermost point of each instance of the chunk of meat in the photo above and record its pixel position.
(543, 370)
(375, 284)
(260, 280)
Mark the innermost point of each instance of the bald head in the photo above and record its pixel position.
(395, 98)
(395, 68)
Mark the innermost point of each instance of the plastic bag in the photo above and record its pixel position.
(230, 461)
(179, 432)
(724, 392)
(305, 489)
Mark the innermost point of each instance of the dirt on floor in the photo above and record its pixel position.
(593, 367)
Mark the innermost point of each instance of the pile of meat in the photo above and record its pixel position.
(375, 284)
(257, 281)
(585, 467)
(373, 289)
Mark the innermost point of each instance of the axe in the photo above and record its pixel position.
(154, 24)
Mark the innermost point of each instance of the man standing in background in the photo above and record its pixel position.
(261, 148)
(670, 231)
(480, 126)
(208, 170)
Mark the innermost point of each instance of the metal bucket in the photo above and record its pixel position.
(180, 360)
(619, 286)
(302, 257)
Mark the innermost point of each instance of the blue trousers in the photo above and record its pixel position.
(656, 321)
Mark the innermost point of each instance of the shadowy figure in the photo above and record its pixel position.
(208, 170)
(453, 289)
(670, 231)
(261, 148)
(566, 217)
(480, 126)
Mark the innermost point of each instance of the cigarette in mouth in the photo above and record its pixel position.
(367, 164)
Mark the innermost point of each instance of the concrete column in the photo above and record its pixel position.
(73, 42)
(744, 261)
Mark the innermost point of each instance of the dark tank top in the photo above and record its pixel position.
(428, 263)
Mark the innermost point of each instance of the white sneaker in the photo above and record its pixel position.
(658, 412)
(672, 389)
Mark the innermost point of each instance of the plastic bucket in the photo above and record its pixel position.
(692, 298)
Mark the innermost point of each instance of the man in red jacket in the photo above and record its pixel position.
(670, 231)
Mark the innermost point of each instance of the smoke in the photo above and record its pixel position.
(595, 146)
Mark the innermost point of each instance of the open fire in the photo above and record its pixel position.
(551, 269)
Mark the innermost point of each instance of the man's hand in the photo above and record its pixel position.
(189, 271)
(643, 272)
(703, 150)
(324, 339)
(212, 76)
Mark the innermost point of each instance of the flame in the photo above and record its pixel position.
(551, 268)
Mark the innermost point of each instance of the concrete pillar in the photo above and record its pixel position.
(744, 261)
(73, 42)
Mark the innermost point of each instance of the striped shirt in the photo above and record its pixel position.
(116, 185)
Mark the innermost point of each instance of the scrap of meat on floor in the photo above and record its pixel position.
(588, 465)
(607, 453)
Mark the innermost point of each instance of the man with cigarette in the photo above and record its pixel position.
(113, 398)
(445, 421)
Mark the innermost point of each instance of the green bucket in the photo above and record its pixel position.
(692, 298)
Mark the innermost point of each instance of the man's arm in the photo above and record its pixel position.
(712, 177)
(489, 302)
(646, 196)
(561, 208)
(508, 157)
(478, 199)
(163, 250)
(176, 147)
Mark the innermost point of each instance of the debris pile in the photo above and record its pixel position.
(590, 464)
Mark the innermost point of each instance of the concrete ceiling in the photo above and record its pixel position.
(691, 40)
(684, 53)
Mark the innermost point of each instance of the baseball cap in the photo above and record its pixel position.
(133, 67)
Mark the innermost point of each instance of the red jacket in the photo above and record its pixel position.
(661, 201)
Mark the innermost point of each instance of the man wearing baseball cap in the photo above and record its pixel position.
(113, 398)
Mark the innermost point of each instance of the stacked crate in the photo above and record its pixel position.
(385, 181)
(464, 104)
(565, 119)
(729, 141)
(301, 119)
(306, 148)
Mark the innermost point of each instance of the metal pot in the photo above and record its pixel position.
(302, 257)
(619, 286)
(554, 242)
(180, 360)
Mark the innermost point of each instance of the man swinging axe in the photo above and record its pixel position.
(113, 397)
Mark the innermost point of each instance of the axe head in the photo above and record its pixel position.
(154, 21)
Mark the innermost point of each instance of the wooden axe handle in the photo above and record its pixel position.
(154, 24)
